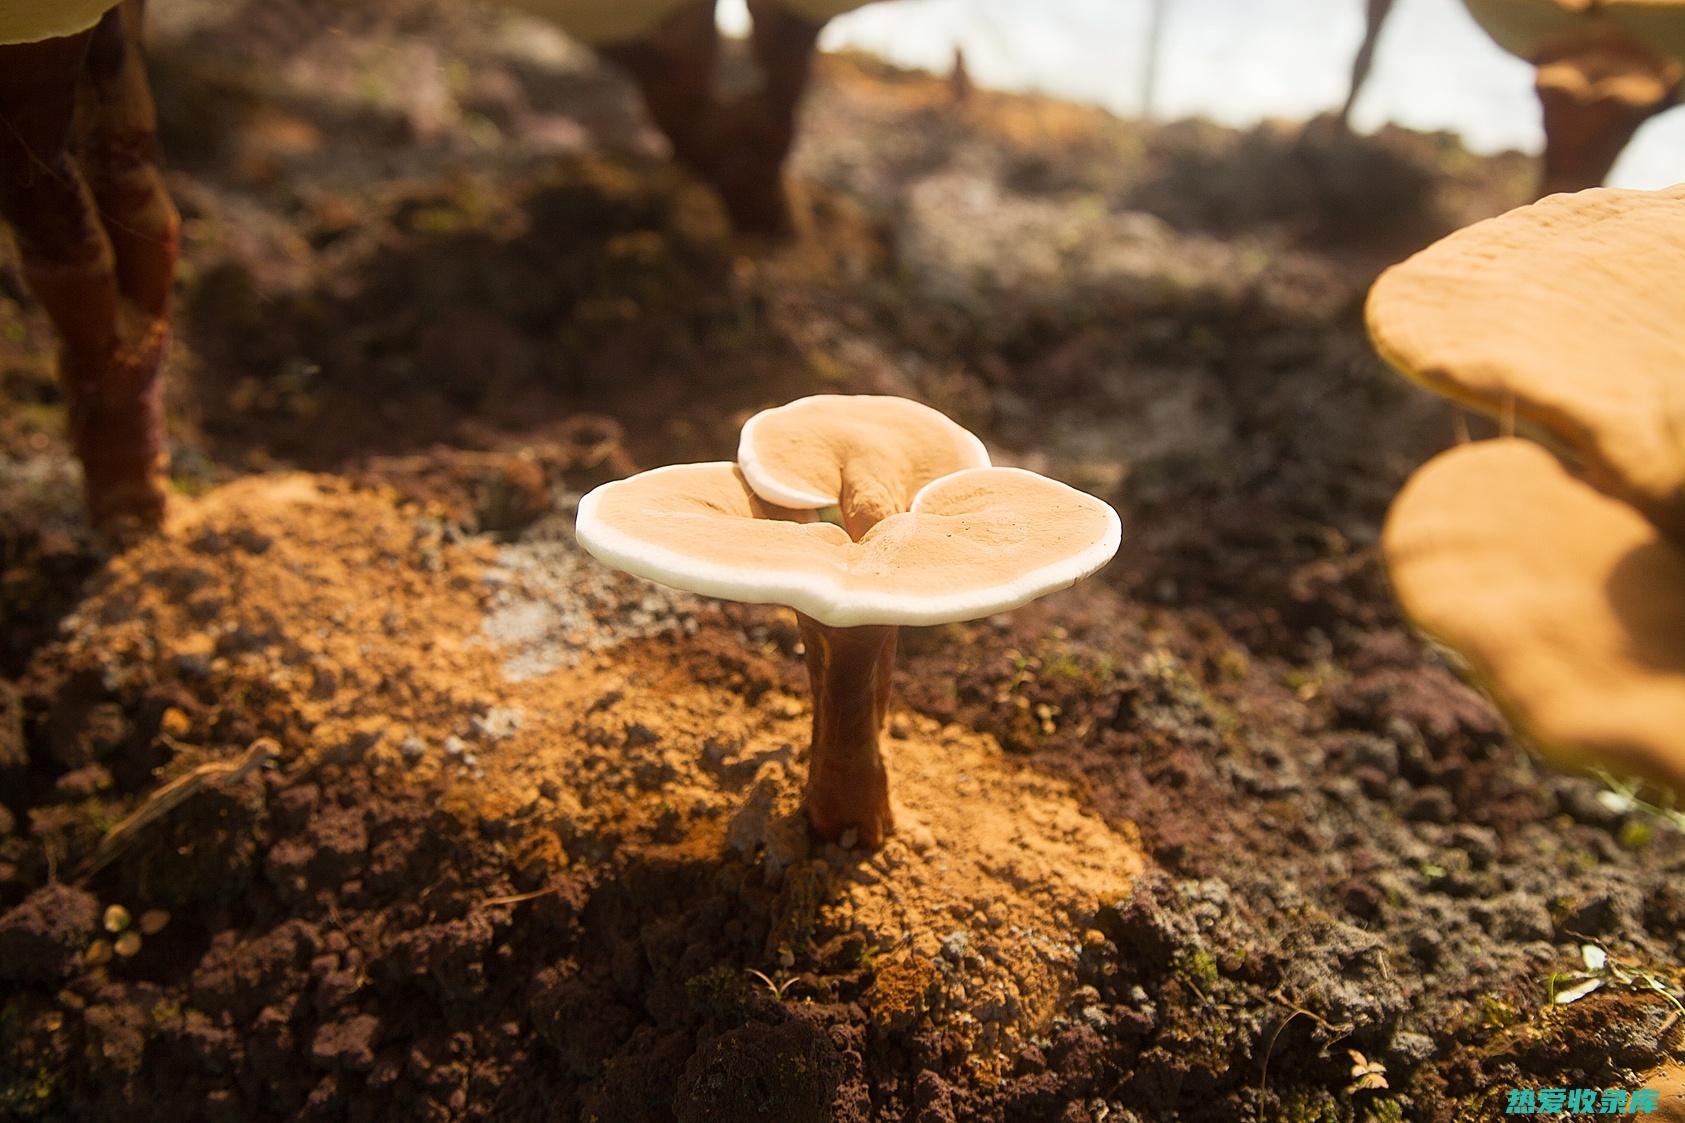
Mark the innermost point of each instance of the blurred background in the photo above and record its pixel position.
(1242, 61)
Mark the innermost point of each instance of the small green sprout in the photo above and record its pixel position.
(777, 989)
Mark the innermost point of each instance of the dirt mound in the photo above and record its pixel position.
(627, 730)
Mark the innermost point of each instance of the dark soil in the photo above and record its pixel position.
(524, 848)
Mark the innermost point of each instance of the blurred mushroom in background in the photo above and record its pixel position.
(670, 49)
(96, 234)
(1602, 70)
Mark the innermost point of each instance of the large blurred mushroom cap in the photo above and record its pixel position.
(818, 11)
(1537, 29)
(604, 22)
(30, 21)
(1567, 315)
(1658, 24)
(1567, 604)
(1527, 28)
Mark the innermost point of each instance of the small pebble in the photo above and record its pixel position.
(116, 918)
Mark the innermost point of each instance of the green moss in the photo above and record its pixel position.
(1635, 834)
(100, 814)
(1197, 967)
(1495, 1013)
(717, 993)
(1309, 1105)
(1068, 667)
(29, 1094)
(1383, 1110)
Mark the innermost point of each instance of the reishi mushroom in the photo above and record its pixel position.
(931, 534)
(1602, 68)
(1559, 580)
(1565, 315)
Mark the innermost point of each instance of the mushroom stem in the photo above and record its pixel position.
(97, 239)
(847, 784)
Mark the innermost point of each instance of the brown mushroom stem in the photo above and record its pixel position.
(847, 784)
(739, 144)
(97, 238)
(673, 68)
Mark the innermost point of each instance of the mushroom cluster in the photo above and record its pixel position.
(1601, 69)
(1555, 567)
(925, 531)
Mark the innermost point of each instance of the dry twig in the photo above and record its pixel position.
(167, 797)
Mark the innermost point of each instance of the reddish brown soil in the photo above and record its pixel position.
(1172, 845)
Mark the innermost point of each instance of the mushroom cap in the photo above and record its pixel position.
(1658, 24)
(867, 454)
(1565, 314)
(1567, 604)
(818, 11)
(603, 22)
(1529, 28)
(1534, 29)
(30, 21)
(973, 543)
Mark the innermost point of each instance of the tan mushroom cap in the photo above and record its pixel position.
(973, 543)
(1568, 314)
(1534, 29)
(30, 21)
(1566, 603)
(603, 22)
(818, 11)
(1529, 28)
(1659, 24)
(867, 454)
